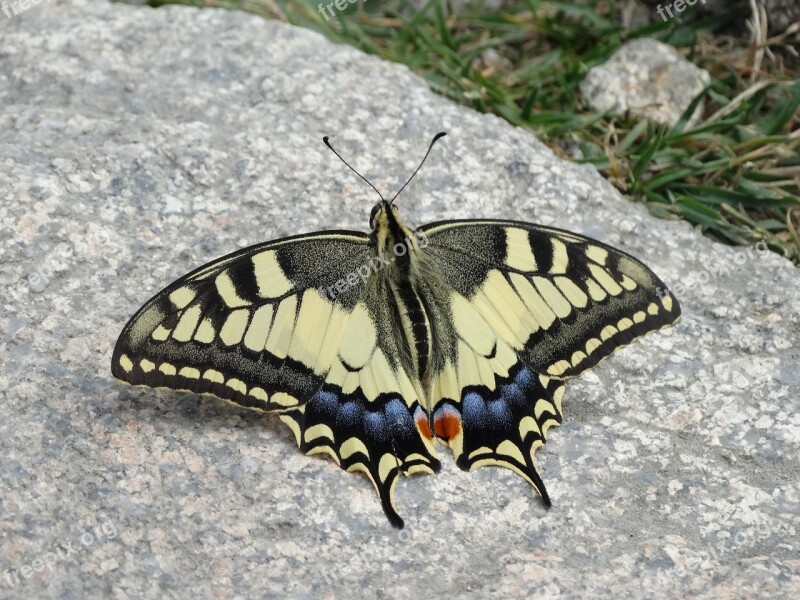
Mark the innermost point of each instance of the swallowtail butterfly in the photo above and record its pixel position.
(372, 347)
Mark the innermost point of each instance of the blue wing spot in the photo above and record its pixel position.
(499, 414)
(326, 402)
(473, 410)
(513, 394)
(349, 414)
(398, 414)
(524, 378)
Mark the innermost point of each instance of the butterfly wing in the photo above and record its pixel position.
(517, 309)
(299, 326)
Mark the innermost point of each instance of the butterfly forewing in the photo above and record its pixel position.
(562, 301)
(227, 327)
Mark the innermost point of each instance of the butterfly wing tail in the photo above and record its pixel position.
(379, 438)
(503, 426)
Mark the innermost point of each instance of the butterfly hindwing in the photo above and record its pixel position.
(298, 326)
(367, 415)
(378, 437)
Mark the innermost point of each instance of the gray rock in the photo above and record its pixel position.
(648, 79)
(136, 144)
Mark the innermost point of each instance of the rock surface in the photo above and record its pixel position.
(648, 79)
(136, 144)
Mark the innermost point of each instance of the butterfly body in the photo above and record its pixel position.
(373, 347)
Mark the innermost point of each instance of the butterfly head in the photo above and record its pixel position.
(392, 236)
(380, 214)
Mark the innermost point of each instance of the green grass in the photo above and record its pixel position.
(736, 176)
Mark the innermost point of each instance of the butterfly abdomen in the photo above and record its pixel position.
(416, 326)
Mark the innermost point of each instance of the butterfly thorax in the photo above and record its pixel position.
(400, 248)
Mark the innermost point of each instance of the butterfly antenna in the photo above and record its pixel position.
(328, 144)
(436, 138)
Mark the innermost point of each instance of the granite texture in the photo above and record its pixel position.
(648, 79)
(136, 144)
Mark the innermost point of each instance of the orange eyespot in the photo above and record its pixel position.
(447, 423)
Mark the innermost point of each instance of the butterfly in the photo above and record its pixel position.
(372, 347)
